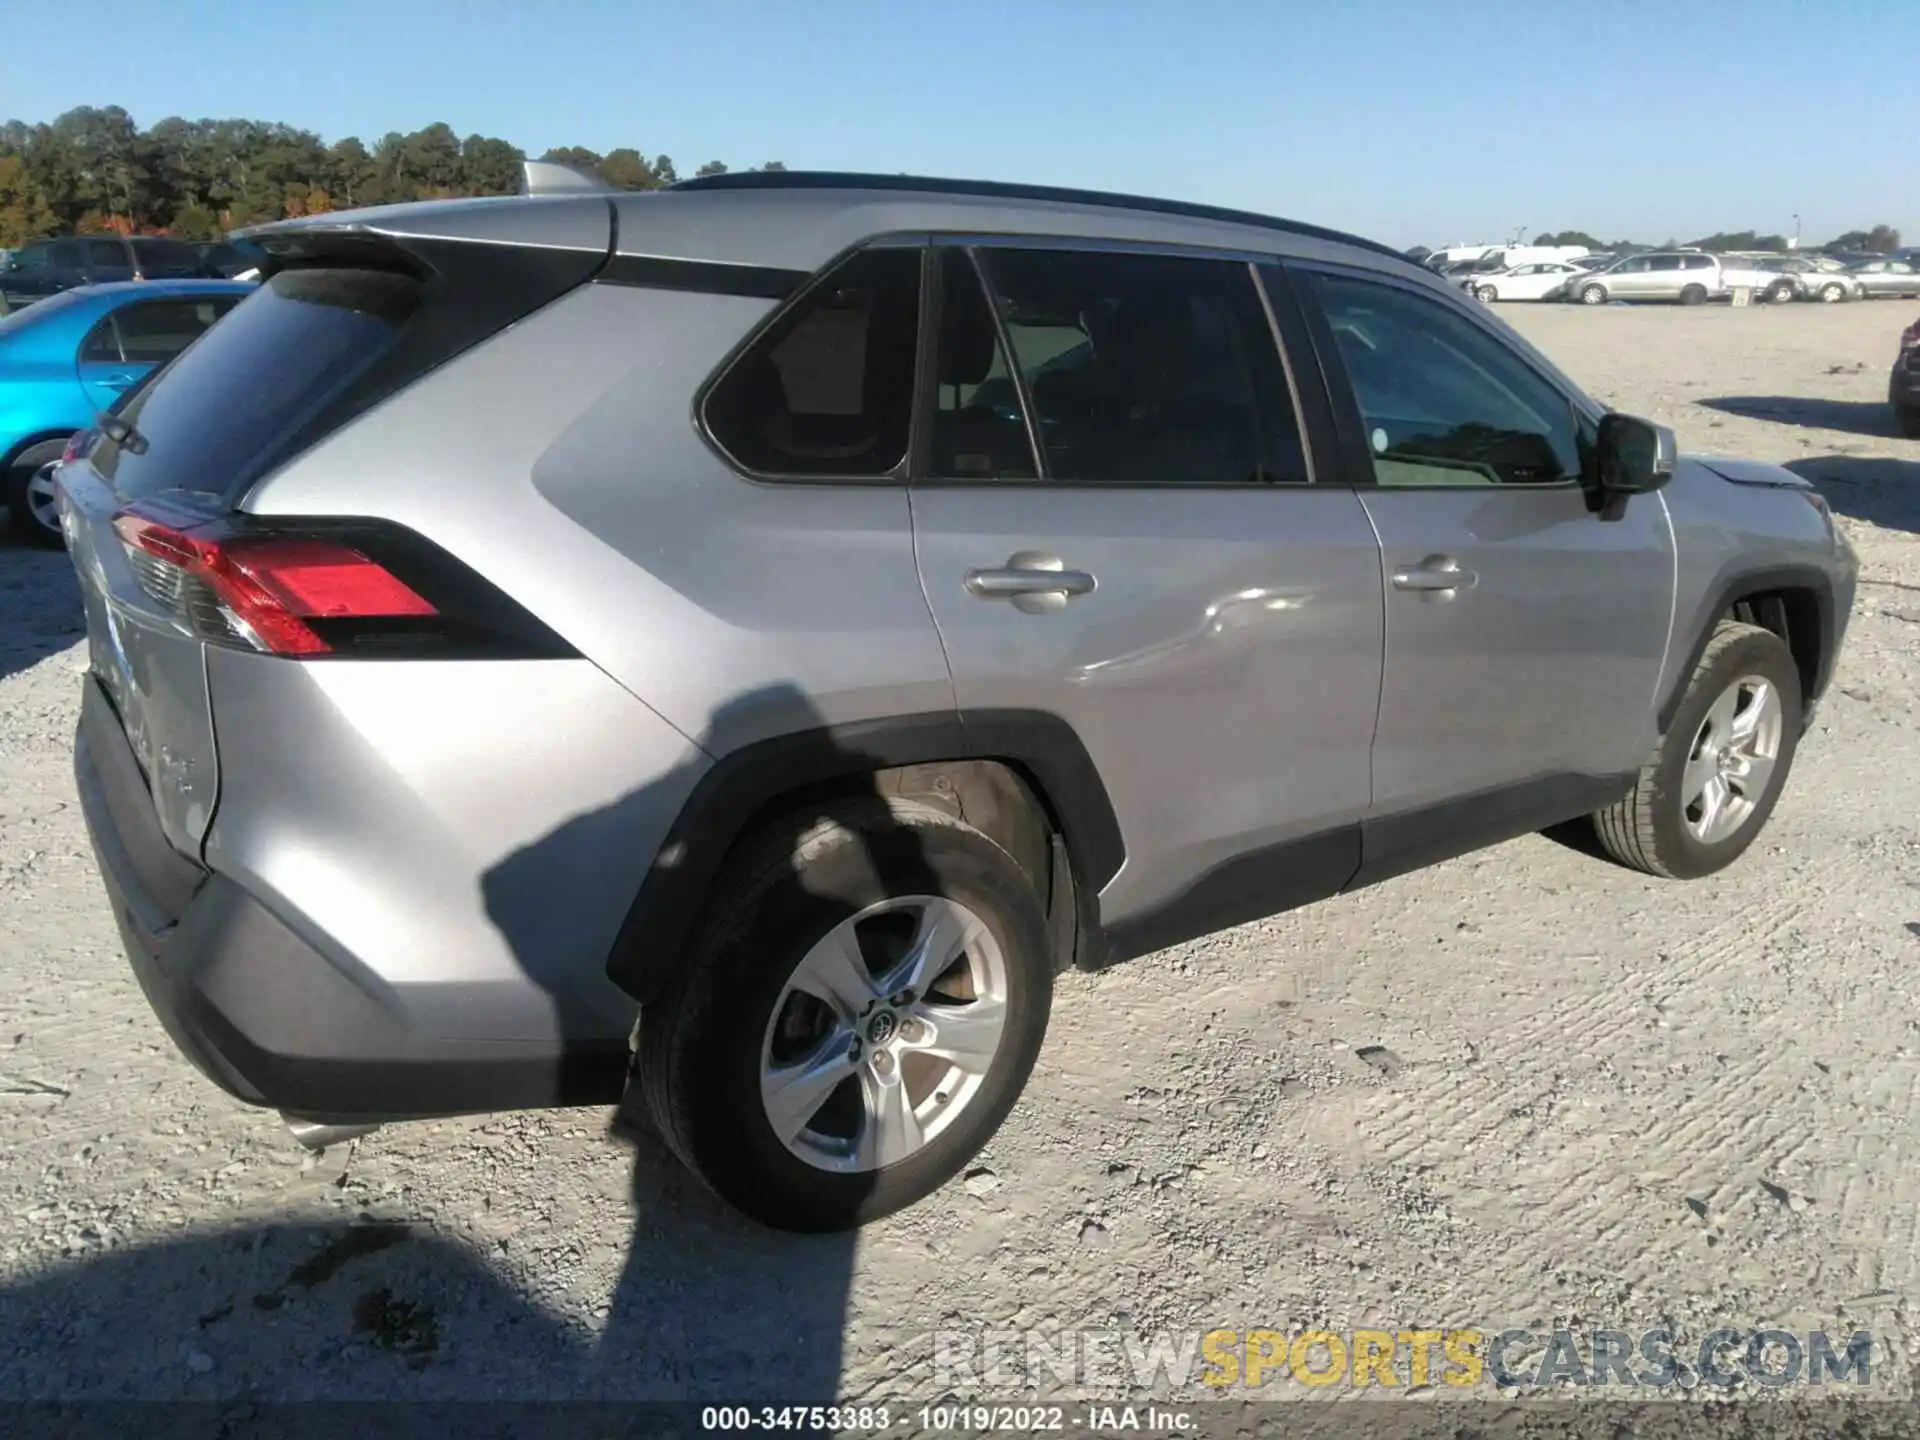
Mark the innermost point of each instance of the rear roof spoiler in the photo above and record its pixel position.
(548, 177)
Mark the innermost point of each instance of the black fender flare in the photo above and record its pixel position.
(744, 783)
(1721, 598)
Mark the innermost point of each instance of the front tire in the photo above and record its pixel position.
(861, 1010)
(1487, 294)
(1832, 294)
(1593, 294)
(1716, 774)
(30, 498)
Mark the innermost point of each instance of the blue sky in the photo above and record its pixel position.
(1408, 120)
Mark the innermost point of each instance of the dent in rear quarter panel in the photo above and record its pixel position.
(560, 459)
(462, 838)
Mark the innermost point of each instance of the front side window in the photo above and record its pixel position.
(828, 390)
(30, 257)
(1146, 369)
(1442, 401)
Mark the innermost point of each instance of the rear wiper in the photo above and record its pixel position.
(122, 433)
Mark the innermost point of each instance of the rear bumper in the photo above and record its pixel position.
(263, 1013)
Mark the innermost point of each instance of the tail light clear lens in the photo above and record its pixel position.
(262, 591)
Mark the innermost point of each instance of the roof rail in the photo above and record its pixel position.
(1004, 190)
(549, 177)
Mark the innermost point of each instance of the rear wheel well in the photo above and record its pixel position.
(1793, 615)
(999, 798)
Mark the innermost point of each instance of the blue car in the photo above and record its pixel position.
(68, 358)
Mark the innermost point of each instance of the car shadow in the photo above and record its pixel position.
(1878, 489)
(40, 610)
(1846, 417)
(709, 1306)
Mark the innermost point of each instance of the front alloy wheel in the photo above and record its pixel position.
(1720, 767)
(1731, 761)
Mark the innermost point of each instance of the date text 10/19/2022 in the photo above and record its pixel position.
(963, 1419)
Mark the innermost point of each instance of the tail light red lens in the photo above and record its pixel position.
(263, 591)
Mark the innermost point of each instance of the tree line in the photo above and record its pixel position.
(1879, 239)
(94, 169)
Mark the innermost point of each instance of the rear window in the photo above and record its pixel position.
(228, 406)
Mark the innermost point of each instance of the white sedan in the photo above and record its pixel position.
(1522, 282)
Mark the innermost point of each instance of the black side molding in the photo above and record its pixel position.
(1397, 844)
(756, 779)
(1756, 582)
(1246, 888)
(706, 277)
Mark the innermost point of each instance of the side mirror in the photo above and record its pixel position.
(1636, 457)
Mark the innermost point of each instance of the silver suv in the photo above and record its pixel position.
(749, 637)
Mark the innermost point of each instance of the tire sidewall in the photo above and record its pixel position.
(744, 973)
(16, 478)
(1756, 654)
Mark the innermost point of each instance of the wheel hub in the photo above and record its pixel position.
(1732, 760)
(880, 1029)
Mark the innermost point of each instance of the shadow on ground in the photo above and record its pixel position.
(1877, 489)
(1848, 417)
(40, 612)
(710, 1307)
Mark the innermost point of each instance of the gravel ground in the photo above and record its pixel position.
(1599, 1100)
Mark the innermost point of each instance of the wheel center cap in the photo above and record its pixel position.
(880, 1029)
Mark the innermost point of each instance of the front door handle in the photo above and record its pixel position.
(1435, 575)
(1034, 582)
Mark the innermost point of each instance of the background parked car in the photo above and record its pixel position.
(66, 359)
(1815, 277)
(1903, 386)
(1744, 273)
(1689, 276)
(1884, 279)
(1522, 282)
(47, 267)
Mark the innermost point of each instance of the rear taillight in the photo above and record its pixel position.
(323, 588)
(262, 590)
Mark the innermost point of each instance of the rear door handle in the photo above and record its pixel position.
(1034, 582)
(1435, 575)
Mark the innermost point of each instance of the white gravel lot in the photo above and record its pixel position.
(1609, 1101)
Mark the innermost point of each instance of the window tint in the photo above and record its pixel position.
(1443, 401)
(1663, 262)
(978, 430)
(1147, 369)
(67, 254)
(172, 256)
(102, 345)
(31, 257)
(1699, 262)
(106, 254)
(829, 389)
(158, 330)
(223, 409)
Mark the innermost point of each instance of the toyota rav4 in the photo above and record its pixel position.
(743, 641)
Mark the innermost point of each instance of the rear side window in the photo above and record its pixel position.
(1147, 369)
(106, 255)
(212, 421)
(153, 331)
(827, 391)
